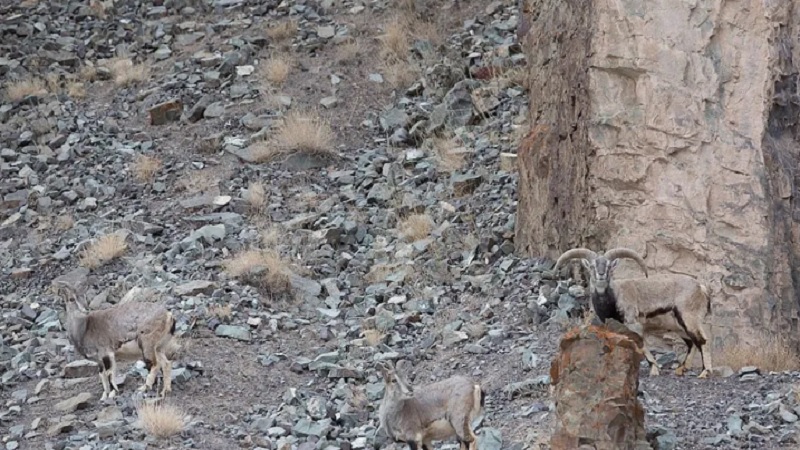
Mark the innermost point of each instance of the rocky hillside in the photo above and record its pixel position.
(311, 187)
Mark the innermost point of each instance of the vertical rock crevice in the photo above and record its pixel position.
(781, 150)
(553, 158)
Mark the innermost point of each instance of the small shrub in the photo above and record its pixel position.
(262, 268)
(256, 196)
(373, 338)
(145, 167)
(282, 31)
(275, 70)
(447, 154)
(395, 40)
(299, 132)
(64, 223)
(76, 89)
(400, 74)
(125, 72)
(416, 227)
(770, 353)
(222, 313)
(304, 132)
(160, 420)
(18, 90)
(103, 250)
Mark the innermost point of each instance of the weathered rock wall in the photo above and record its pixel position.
(670, 127)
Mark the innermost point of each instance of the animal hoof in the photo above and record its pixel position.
(703, 374)
(680, 371)
(103, 397)
(112, 394)
(143, 388)
(654, 372)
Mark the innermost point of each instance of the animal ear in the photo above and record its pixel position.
(385, 372)
(613, 265)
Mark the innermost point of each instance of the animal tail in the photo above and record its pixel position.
(704, 290)
(478, 399)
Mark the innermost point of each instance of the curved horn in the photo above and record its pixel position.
(573, 254)
(621, 252)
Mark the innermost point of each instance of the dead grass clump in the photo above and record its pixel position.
(771, 353)
(262, 268)
(416, 227)
(282, 31)
(275, 70)
(125, 72)
(378, 273)
(200, 181)
(160, 420)
(256, 196)
(64, 223)
(103, 250)
(448, 153)
(18, 90)
(373, 338)
(98, 8)
(221, 312)
(299, 132)
(88, 73)
(270, 236)
(76, 89)
(305, 132)
(401, 73)
(395, 40)
(145, 167)
(349, 52)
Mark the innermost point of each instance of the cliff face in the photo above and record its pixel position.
(670, 128)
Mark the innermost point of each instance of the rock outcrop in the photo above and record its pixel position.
(596, 379)
(671, 129)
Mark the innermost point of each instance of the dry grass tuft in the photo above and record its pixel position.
(125, 72)
(200, 181)
(98, 8)
(275, 70)
(262, 268)
(771, 353)
(349, 52)
(145, 167)
(64, 223)
(378, 273)
(88, 73)
(76, 89)
(395, 40)
(299, 132)
(282, 31)
(305, 132)
(270, 236)
(160, 420)
(256, 197)
(448, 154)
(18, 90)
(373, 338)
(401, 73)
(416, 227)
(222, 313)
(103, 250)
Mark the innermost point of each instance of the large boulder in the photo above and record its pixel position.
(671, 128)
(596, 382)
